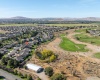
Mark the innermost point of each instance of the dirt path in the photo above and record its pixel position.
(92, 48)
(54, 46)
(61, 61)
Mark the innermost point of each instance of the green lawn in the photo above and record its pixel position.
(97, 55)
(68, 45)
(88, 39)
(81, 30)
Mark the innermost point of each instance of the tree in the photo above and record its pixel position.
(58, 77)
(38, 78)
(15, 63)
(15, 72)
(1, 55)
(49, 71)
(3, 60)
(1, 44)
(25, 75)
(45, 54)
(20, 74)
(29, 77)
(9, 63)
(52, 58)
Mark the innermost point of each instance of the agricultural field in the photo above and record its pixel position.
(68, 45)
(69, 25)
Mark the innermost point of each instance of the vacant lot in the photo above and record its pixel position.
(3, 32)
(68, 45)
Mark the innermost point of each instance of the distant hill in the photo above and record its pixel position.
(25, 20)
(55, 19)
(18, 17)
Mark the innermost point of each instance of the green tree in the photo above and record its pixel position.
(29, 77)
(9, 63)
(38, 78)
(15, 63)
(15, 72)
(3, 60)
(20, 74)
(58, 77)
(52, 58)
(25, 75)
(49, 71)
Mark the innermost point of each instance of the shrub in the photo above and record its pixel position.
(52, 58)
(49, 71)
(29, 77)
(58, 77)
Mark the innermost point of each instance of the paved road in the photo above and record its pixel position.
(8, 76)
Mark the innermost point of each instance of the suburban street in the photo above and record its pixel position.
(8, 76)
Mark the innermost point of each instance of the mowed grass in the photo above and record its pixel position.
(68, 45)
(88, 39)
(97, 55)
(81, 30)
(68, 25)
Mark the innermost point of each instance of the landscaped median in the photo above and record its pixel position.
(68, 45)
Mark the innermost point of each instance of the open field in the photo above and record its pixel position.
(18, 25)
(97, 55)
(68, 45)
(88, 39)
(80, 30)
(2, 31)
(71, 25)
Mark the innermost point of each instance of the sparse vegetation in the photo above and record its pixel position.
(47, 55)
(58, 76)
(97, 55)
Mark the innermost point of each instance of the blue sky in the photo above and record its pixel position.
(49, 8)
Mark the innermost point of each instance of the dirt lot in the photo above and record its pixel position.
(2, 31)
(74, 65)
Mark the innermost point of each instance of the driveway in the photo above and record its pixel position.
(8, 76)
